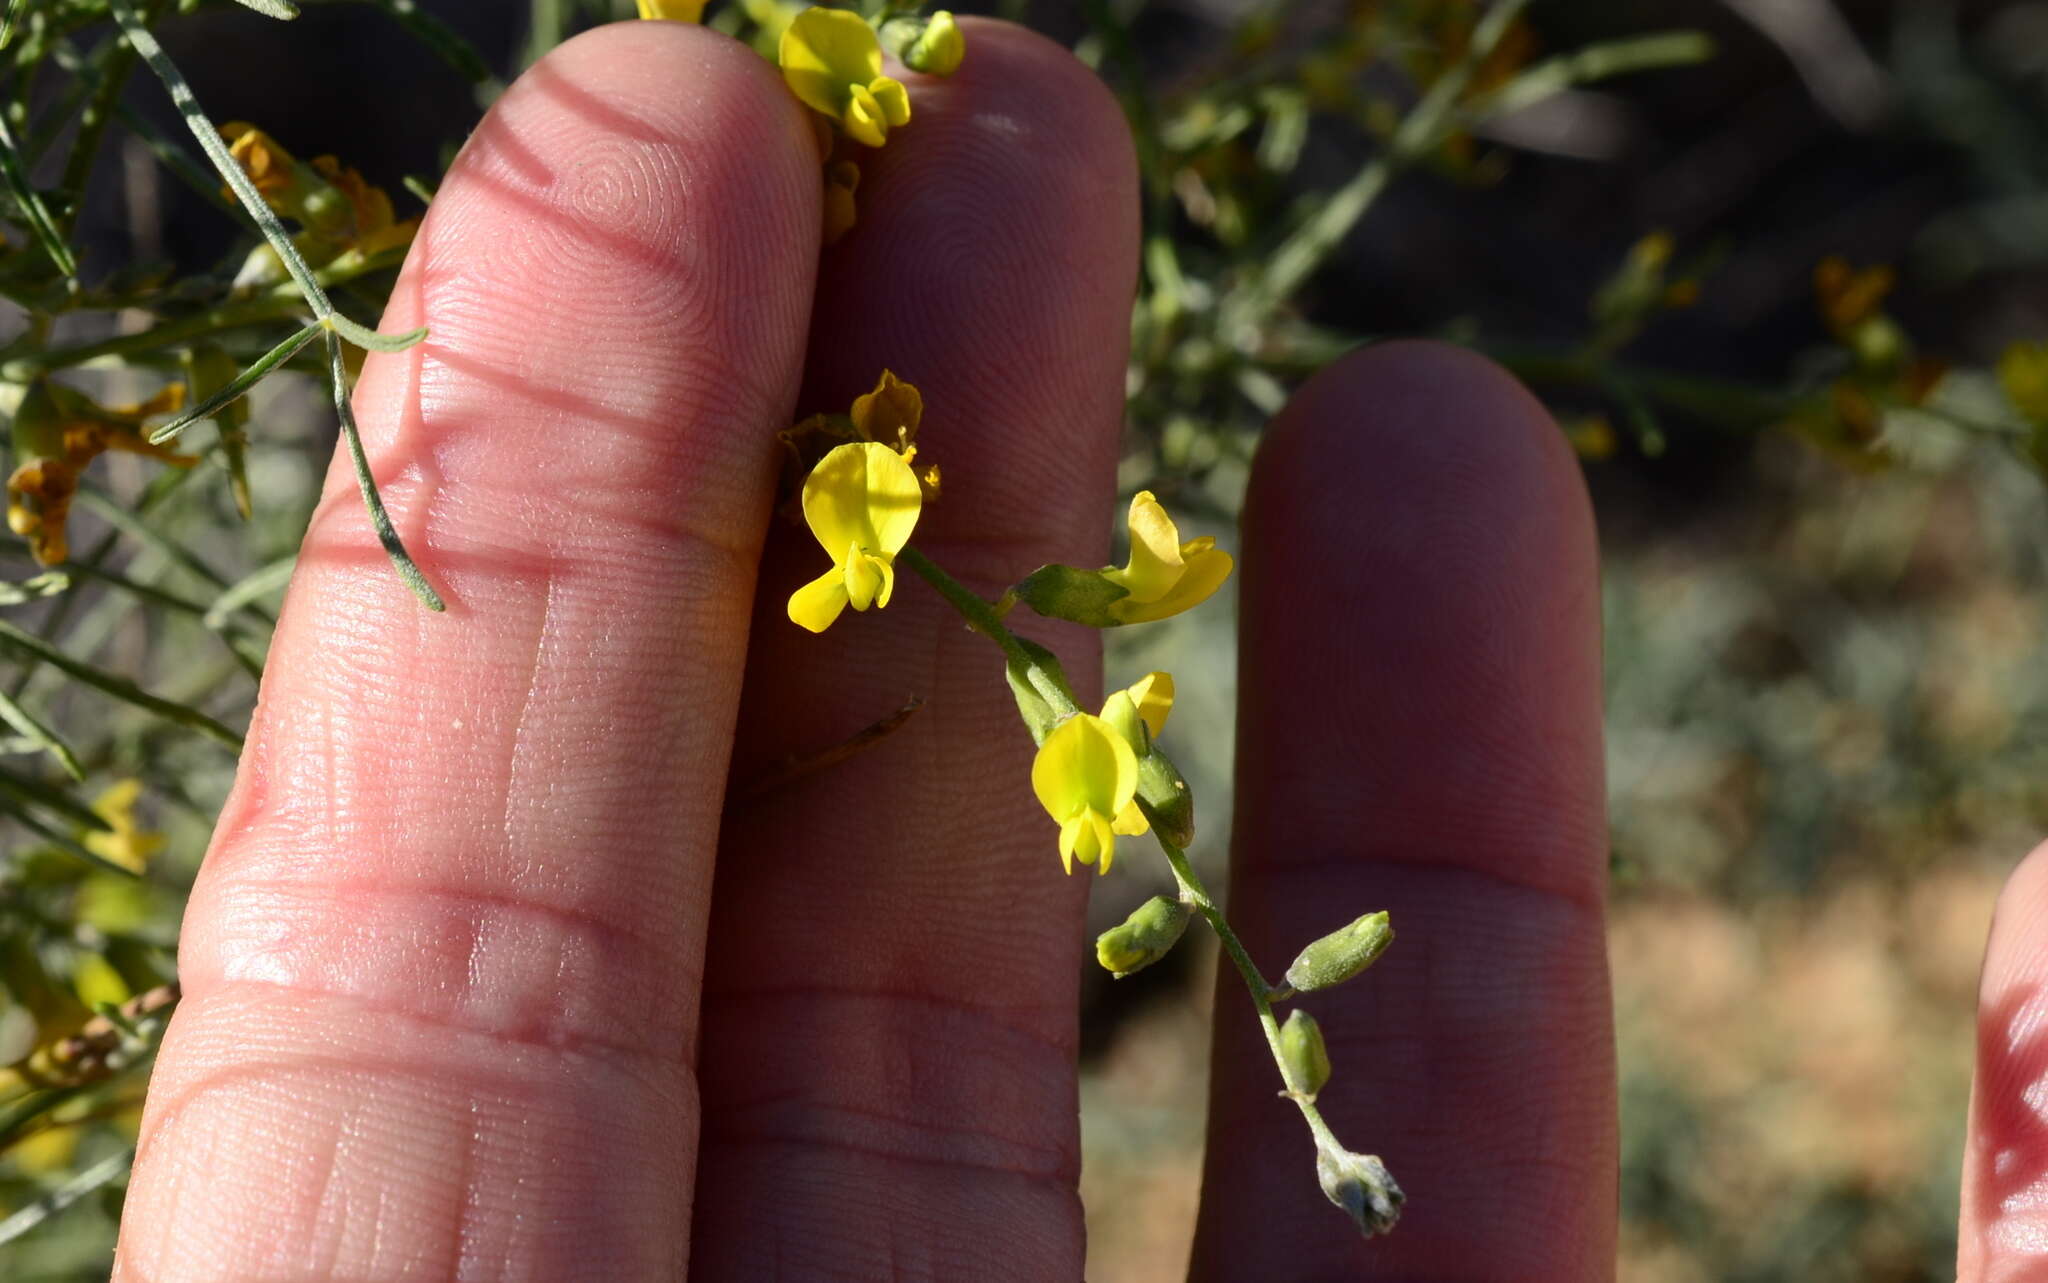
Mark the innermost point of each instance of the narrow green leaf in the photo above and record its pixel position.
(247, 653)
(216, 149)
(105, 1172)
(241, 386)
(30, 202)
(139, 528)
(176, 159)
(380, 520)
(243, 591)
(364, 337)
(1593, 63)
(33, 728)
(8, 23)
(282, 10)
(58, 837)
(35, 793)
(440, 38)
(117, 686)
(418, 187)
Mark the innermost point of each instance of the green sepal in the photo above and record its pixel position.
(1071, 593)
(1040, 688)
(1165, 798)
(1341, 954)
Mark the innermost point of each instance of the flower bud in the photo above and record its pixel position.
(1362, 1186)
(1302, 1051)
(1145, 937)
(1341, 954)
(938, 50)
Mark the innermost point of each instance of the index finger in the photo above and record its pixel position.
(441, 963)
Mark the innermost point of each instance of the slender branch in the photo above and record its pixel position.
(981, 617)
(1262, 993)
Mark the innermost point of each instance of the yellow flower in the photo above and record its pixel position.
(1085, 776)
(862, 502)
(1850, 296)
(58, 432)
(128, 844)
(842, 179)
(1138, 713)
(2023, 373)
(833, 64)
(372, 226)
(673, 10)
(1164, 576)
(332, 203)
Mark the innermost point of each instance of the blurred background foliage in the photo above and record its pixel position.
(1776, 265)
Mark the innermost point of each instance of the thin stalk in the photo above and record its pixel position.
(1192, 890)
(981, 617)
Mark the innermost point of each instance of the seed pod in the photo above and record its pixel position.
(1303, 1052)
(1144, 938)
(1341, 954)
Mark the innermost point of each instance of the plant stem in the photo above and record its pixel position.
(981, 616)
(1192, 890)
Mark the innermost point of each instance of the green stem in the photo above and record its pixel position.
(1192, 890)
(982, 618)
(1307, 247)
(92, 122)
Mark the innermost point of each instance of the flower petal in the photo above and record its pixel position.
(1131, 821)
(818, 603)
(1204, 574)
(1084, 765)
(894, 499)
(824, 52)
(1155, 563)
(1153, 694)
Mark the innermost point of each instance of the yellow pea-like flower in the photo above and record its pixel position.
(1164, 576)
(832, 62)
(2023, 374)
(673, 10)
(862, 502)
(1138, 713)
(1085, 776)
(128, 844)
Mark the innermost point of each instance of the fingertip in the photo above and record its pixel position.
(2004, 1203)
(1415, 500)
(1435, 441)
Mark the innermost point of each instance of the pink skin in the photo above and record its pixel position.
(465, 999)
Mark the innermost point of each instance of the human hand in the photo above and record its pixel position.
(485, 979)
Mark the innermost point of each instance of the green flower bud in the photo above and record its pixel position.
(1145, 937)
(1362, 1186)
(1303, 1052)
(1341, 954)
(939, 50)
(934, 45)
